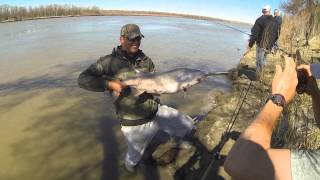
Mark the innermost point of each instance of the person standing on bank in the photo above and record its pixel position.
(264, 33)
(278, 23)
(277, 16)
(140, 117)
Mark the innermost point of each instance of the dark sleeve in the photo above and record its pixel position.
(279, 25)
(96, 76)
(256, 29)
(277, 29)
(150, 64)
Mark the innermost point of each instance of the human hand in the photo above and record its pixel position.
(311, 86)
(116, 87)
(285, 81)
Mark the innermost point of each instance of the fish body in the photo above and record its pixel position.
(168, 82)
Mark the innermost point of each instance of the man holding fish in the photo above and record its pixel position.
(140, 115)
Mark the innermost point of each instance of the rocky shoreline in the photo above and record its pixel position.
(296, 128)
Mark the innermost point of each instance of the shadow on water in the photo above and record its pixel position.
(70, 133)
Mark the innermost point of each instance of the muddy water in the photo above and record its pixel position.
(51, 129)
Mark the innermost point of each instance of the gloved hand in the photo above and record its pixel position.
(309, 84)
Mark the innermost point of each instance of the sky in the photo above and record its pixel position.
(238, 10)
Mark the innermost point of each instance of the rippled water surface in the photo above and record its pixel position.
(51, 129)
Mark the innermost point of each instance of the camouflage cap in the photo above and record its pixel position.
(131, 31)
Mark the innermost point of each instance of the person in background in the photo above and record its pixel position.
(252, 158)
(278, 20)
(277, 16)
(264, 34)
(140, 117)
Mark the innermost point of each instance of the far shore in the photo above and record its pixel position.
(132, 13)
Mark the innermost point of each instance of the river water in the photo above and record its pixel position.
(51, 129)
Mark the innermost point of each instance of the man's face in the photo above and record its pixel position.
(131, 46)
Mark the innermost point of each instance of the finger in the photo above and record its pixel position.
(303, 66)
(288, 60)
(292, 67)
(278, 71)
(289, 65)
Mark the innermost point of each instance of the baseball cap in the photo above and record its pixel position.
(267, 8)
(131, 31)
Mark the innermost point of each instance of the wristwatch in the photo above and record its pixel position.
(277, 99)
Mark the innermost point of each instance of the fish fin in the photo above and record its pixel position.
(135, 92)
(142, 73)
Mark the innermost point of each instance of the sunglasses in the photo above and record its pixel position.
(134, 39)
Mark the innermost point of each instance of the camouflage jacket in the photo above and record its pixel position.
(117, 66)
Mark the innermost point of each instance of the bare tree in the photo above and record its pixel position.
(19, 13)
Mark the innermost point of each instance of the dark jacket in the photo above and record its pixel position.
(264, 32)
(278, 19)
(117, 66)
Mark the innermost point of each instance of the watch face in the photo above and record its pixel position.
(278, 100)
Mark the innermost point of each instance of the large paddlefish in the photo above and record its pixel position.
(168, 82)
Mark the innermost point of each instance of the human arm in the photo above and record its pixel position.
(312, 90)
(255, 31)
(97, 78)
(252, 157)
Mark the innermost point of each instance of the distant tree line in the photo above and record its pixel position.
(302, 20)
(8, 12)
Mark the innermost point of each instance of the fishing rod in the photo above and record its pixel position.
(231, 27)
(217, 73)
(225, 135)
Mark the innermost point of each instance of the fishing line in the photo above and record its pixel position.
(231, 27)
